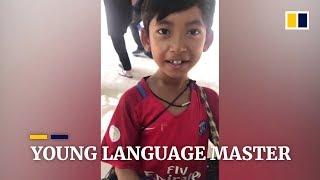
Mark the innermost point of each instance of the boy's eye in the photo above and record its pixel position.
(164, 31)
(194, 32)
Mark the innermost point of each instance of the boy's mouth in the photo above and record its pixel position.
(176, 62)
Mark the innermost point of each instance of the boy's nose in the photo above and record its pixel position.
(177, 44)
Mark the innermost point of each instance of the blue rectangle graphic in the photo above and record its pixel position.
(59, 136)
(303, 20)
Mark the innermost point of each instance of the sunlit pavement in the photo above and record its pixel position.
(206, 73)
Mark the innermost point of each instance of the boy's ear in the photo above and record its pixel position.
(209, 39)
(145, 40)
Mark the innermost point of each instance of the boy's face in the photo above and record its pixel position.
(177, 41)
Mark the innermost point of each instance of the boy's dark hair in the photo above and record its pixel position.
(163, 8)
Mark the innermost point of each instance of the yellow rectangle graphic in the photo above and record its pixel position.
(292, 20)
(38, 136)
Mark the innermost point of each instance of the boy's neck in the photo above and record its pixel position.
(164, 80)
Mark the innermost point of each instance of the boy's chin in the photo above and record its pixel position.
(177, 75)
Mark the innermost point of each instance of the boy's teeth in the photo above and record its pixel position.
(176, 62)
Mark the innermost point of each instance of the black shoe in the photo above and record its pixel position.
(138, 52)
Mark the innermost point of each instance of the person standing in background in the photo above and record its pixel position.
(119, 15)
(135, 28)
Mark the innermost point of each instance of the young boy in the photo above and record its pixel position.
(166, 109)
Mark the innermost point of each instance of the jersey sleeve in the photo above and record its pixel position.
(213, 100)
(123, 131)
